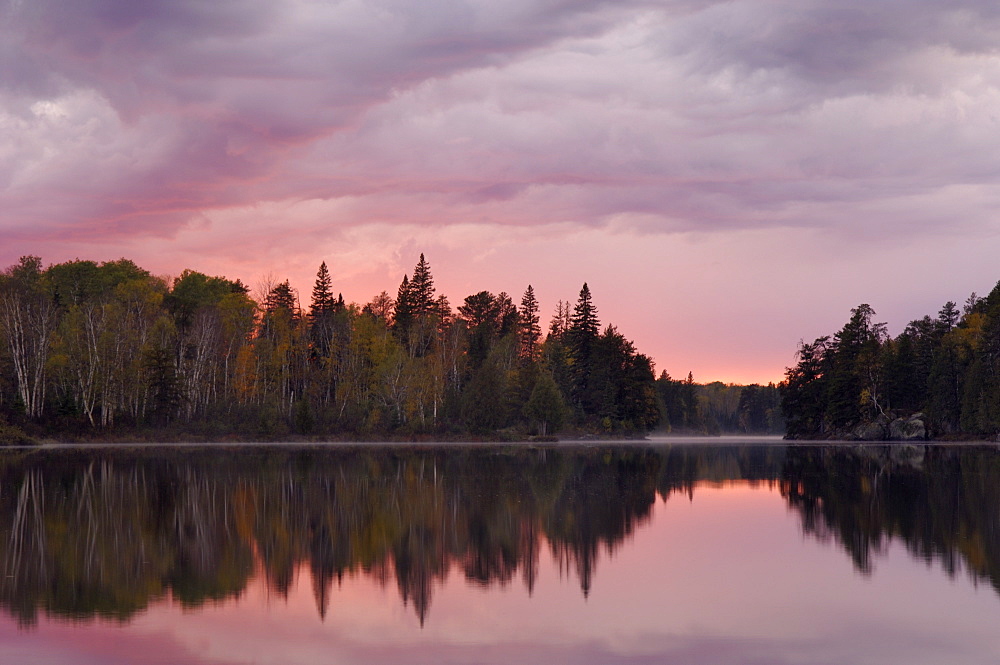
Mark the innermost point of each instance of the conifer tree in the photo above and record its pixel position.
(581, 338)
(323, 302)
(402, 316)
(280, 297)
(421, 289)
(321, 313)
(584, 321)
(529, 330)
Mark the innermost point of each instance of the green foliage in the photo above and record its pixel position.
(488, 319)
(679, 404)
(88, 346)
(12, 435)
(193, 290)
(546, 407)
(946, 367)
(529, 328)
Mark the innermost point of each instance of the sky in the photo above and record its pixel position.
(729, 178)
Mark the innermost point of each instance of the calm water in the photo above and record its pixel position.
(666, 553)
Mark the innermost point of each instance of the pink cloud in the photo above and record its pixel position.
(259, 137)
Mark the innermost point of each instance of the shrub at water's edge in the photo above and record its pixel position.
(11, 435)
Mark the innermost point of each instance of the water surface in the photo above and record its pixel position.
(645, 553)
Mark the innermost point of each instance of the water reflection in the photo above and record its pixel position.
(107, 532)
(942, 502)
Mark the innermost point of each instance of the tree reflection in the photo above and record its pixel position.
(941, 502)
(107, 532)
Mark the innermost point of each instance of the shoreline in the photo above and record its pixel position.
(651, 441)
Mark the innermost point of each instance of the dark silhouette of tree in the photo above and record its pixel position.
(403, 311)
(281, 296)
(581, 337)
(529, 330)
(488, 319)
(323, 303)
(421, 290)
(322, 312)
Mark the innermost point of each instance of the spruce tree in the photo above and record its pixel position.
(323, 302)
(584, 321)
(421, 289)
(402, 317)
(282, 296)
(529, 330)
(581, 338)
(321, 313)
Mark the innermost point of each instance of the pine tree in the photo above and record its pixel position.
(581, 337)
(321, 313)
(584, 321)
(280, 297)
(323, 302)
(529, 330)
(421, 290)
(560, 320)
(402, 317)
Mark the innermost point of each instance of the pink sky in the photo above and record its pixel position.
(728, 177)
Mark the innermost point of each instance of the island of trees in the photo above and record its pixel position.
(939, 378)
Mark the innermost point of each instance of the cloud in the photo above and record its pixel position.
(260, 136)
(130, 117)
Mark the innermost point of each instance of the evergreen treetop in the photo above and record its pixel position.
(584, 320)
(323, 301)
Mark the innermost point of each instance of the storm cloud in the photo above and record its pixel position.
(219, 125)
(131, 117)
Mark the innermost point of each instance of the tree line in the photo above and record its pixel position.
(94, 349)
(718, 408)
(945, 367)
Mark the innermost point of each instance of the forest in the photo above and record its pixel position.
(107, 350)
(90, 349)
(943, 371)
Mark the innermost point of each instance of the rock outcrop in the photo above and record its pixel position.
(885, 428)
(908, 429)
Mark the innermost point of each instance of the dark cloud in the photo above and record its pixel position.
(199, 104)
(832, 47)
(124, 117)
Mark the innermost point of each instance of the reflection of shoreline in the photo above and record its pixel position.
(105, 533)
(940, 502)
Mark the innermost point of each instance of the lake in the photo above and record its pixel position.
(710, 552)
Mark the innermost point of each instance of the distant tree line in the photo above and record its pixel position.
(92, 349)
(718, 408)
(945, 367)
